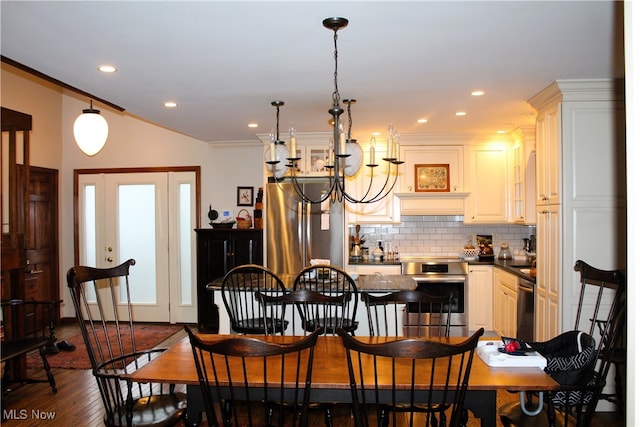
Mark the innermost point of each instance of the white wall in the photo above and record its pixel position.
(131, 143)
(632, 61)
(27, 94)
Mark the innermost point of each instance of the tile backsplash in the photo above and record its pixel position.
(441, 235)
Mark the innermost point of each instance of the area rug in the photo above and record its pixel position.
(147, 336)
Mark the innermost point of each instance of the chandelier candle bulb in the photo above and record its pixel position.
(272, 147)
(293, 150)
(331, 156)
(372, 151)
(342, 148)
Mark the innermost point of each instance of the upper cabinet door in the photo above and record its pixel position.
(413, 155)
(523, 177)
(548, 157)
(487, 181)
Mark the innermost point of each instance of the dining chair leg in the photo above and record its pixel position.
(327, 418)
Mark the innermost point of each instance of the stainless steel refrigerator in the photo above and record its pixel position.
(298, 232)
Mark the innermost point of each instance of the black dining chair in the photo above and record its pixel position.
(601, 313)
(331, 281)
(102, 301)
(238, 290)
(408, 313)
(409, 381)
(242, 379)
(304, 309)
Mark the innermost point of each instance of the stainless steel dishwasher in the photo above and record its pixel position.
(526, 302)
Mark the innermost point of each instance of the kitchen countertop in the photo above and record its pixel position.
(510, 266)
(353, 261)
(364, 282)
(396, 282)
(385, 282)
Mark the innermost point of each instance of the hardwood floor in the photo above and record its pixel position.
(78, 402)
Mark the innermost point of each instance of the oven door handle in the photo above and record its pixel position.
(439, 279)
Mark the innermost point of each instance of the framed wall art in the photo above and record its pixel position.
(432, 178)
(245, 196)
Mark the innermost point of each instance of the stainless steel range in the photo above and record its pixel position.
(441, 276)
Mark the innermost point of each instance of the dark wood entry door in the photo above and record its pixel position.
(41, 274)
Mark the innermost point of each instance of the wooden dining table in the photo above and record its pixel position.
(330, 378)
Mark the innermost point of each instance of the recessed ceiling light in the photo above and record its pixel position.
(107, 68)
(170, 104)
(252, 125)
(375, 133)
(422, 120)
(477, 93)
(461, 113)
(501, 131)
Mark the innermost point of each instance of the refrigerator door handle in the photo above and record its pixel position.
(301, 240)
(307, 223)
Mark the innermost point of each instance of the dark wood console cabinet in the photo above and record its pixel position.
(218, 251)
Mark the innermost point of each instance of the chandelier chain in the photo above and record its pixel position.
(336, 93)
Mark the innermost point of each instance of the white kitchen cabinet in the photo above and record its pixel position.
(480, 297)
(429, 154)
(505, 303)
(548, 154)
(547, 300)
(487, 182)
(522, 183)
(581, 199)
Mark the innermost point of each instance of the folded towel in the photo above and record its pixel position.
(320, 262)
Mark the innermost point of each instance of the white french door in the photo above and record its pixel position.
(148, 217)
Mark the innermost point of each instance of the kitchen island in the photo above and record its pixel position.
(375, 283)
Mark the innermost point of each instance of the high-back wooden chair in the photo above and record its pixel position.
(304, 309)
(409, 381)
(238, 289)
(102, 301)
(331, 281)
(250, 381)
(601, 313)
(388, 314)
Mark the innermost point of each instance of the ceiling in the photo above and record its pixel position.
(223, 62)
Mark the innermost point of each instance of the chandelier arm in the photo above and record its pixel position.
(362, 199)
(382, 196)
(304, 198)
(384, 190)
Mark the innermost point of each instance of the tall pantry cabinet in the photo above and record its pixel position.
(580, 187)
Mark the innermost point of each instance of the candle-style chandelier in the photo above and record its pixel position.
(345, 154)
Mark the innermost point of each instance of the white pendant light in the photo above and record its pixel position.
(90, 131)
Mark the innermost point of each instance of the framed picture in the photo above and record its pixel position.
(432, 178)
(245, 196)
